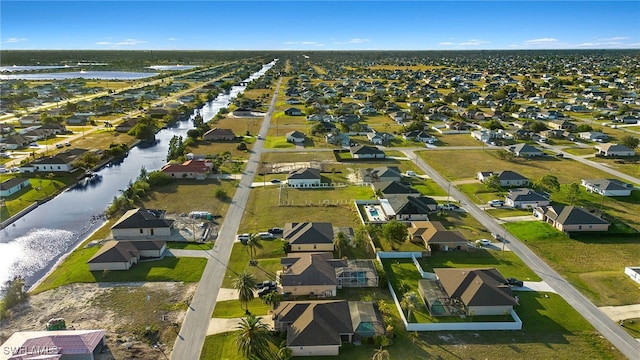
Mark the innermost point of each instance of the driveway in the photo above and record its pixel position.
(219, 325)
(518, 218)
(617, 313)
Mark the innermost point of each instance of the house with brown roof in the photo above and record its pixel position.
(436, 237)
(190, 169)
(319, 328)
(309, 236)
(122, 255)
(571, 218)
(218, 134)
(142, 223)
(480, 291)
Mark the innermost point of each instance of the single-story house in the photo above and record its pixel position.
(614, 150)
(408, 207)
(14, 141)
(593, 136)
(126, 125)
(366, 152)
(507, 178)
(320, 327)
(309, 236)
(121, 255)
(382, 173)
(607, 187)
(142, 223)
(218, 134)
(190, 169)
(304, 177)
(54, 345)
(318, 274)
(571, 218)
(292, 111)
(61, 162)
(481, 291)
(338, 138)
(13, 185)
(295, 137)
(523, 198)
(393, 187)
(524, 150)
(435, 236)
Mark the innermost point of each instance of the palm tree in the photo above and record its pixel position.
(252, 338)
(340, 241)
(408, 303)
(245, 282)
(253, 243)
(381, 354)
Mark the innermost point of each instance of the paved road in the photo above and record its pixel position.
(600, 321)
(189, 342)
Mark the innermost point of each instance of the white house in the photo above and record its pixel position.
(614, 150)
(13, 185)
(607, 187)
(366, 152)
(305, 177)
(523, 198)
(295, 137)
(633, 273)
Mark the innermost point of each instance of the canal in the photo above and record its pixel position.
(32, 245)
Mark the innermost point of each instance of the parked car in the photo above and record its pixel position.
(449, 207)
(276, 230)
(267, 283)
(67, 144)
(496, 203)
(411, 173)
(244, 238)
(483, 242)
(275, 181)
(265, 290)
(265, 235)
(59, 146)
(514, 282)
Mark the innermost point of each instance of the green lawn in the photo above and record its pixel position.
(580, 151)
(74, 269)
(189, 245)
(592, 263)
(41, 189)
(232, 309)
(268, 261)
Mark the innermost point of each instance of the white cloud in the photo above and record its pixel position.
(352, 41)
(308, 43)
(172, 39)
(446, 43)
(470, 42)
(130, 42)
(15, 40)
(541, 41)
(615, 38)
(103, 43)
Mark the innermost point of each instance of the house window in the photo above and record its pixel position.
(314, 246)
(58, 167)
(579, 227)
(140, 231)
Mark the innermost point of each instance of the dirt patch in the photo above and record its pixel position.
(121, 309)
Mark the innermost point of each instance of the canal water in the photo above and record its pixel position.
(31, 246)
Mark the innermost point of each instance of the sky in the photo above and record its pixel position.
(318, 25)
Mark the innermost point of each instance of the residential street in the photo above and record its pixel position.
(189, 342)
(600, 321)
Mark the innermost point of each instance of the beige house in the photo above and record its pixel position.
(435, 237)
(571, 218)
(309, 236)
(142, 223)
(122, 255)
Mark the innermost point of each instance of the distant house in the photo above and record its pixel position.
(614, 150)
(562, 125)
(142, 223)
(481, 291)
(393, 187)
(13, 142)
(421, 136)
(121, 255)
(309, 236)
(218, 134)
(366, 152)
(126, 125)
(507, 178)
(295, 137)
(607, 187)
(434, 236)
(408, 207)
(61, 162)
(338, 138)
(593, 136)
(378, 174)
(524, 150)
(292, 111)
(571, 218)
(13, 185)
(304, 177)
(523, 198)
(190, 169)
(320, 327)
(53, 345)
(319, 274)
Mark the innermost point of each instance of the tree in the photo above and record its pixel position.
(395, 231)
(548, 183)
(408, 302)
(252, 338)
(573, 190)
(492, 183)
(340, 242)
(245, 282)
(505, 155)
(272, 298)
(360, 237)
(253, 243)
(630, 141)
(381, 354)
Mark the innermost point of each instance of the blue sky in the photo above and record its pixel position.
(319, 25)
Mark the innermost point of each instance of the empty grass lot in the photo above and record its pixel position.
(268, 261)
(594, 264)
(630, 167)
(233, 309)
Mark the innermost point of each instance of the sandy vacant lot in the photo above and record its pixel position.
(121, 309)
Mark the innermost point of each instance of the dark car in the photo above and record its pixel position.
(267, 283)
(514, 282)
(276, 230)
(265, 290)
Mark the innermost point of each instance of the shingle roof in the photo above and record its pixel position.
(9, 183)
(607, 184)
(64, 342)
(433, 232)
(364, 149)
(476, 287)
(115, 251)
(310, 269)
(510, 175)
(142, 218)
(524, 194)
(304, 174)
(572, 215)
(394, 187)
(319, 323)
(411, 203)
(308, 233)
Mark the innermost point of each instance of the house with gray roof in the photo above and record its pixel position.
(507, 178)
(607, 187)
(524, 198)
(309, 236)
(366, 152)
(393, 187)
(524, 150)
(481, 291)
(304, 177)
(320, 327)
(380, 174)
(614, 150)
(571, 218)
(295, 137)
(142, 223)
(218, 134)
(13, 185)
(122, 255)
(408, 207)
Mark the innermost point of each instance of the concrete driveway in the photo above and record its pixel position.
(617, 313)
(219, 325)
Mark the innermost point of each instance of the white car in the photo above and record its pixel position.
(265, 235)
(483, 242)
(496, 203)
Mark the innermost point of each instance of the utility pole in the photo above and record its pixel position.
(147, 311)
